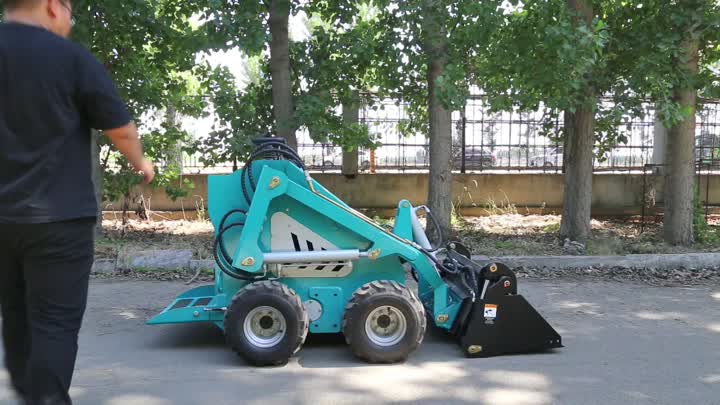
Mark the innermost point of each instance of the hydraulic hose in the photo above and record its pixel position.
(277, 148)
(270, 149)
(222, 258)
(454, 269)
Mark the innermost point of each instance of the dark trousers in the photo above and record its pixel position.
(44, 274)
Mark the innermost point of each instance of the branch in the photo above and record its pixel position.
(106, 160)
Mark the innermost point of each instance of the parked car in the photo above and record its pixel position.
(475, 158)
(334, 161)
(329, 157)
(551, 157)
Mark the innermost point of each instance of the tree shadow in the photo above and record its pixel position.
(187, 336)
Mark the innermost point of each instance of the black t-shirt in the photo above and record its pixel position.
(52, 92)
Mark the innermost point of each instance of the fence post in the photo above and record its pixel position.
(660, 134)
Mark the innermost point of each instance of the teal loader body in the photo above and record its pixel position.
(292, 259)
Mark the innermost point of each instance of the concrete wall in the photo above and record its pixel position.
(613, 194)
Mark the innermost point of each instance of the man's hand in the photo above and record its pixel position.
(147, 170)
(127, 140)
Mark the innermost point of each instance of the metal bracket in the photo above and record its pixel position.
(474, 349)
(274, 182)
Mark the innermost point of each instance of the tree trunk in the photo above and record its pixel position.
(351, 113)
(680, 176)
(577, 199)
(584, 9)
(280, 70)
(578, 153)
(175, 157)
(440, 188)
(97, 178)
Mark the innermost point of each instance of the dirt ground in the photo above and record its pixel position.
(538, 235)
(155, 235)
(496, 235)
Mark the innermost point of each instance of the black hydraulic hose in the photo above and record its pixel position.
(469, 284)
(221, 255)
(244, 187)
(436, 224)
(473, 279)
(463, 272)
(456, 271)
(277, 149)
(221, 245)
(287, 152)
(284, 151)
(233, 272)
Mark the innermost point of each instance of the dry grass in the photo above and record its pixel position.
(155, 235)
(508, 235)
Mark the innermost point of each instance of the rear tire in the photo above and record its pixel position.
(384, 322)
(266, 323)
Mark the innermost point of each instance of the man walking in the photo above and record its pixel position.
(52, 93)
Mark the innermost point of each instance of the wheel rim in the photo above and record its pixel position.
(386, 326)
(265, 326)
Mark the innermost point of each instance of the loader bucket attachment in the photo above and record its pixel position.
(506, 324)
(500, 321)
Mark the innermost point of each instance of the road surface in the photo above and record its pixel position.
(624, 343)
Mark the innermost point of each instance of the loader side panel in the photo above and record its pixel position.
(289, 215)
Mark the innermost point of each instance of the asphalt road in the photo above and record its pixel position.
(624, 344)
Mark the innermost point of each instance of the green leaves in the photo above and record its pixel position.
(629, 53)
(241, 115)
(453, 87)
(540, 55)
(149, 49)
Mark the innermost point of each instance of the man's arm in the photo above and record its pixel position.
(104, 109)
(127, 141)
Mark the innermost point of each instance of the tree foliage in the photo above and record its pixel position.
(523, 54)
(466, 24)
(149, 49)
(339, 62)
(241, 113)
(325, 70)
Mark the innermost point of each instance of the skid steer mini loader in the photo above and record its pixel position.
(291, 258)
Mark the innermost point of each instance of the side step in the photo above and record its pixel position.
(196, 305)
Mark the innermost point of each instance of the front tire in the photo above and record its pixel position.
(384, 322)
(266, 323)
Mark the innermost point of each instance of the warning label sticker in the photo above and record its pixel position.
(490, 311)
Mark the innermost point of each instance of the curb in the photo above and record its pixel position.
(666, 262)
(180, 260)
(153, 261)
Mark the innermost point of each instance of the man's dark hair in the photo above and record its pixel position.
(11, 5)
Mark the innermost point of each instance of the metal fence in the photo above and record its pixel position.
(484, 141)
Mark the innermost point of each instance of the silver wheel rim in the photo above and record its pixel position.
(265, 326)
(386, 326)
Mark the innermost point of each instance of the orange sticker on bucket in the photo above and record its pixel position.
(490, 311)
